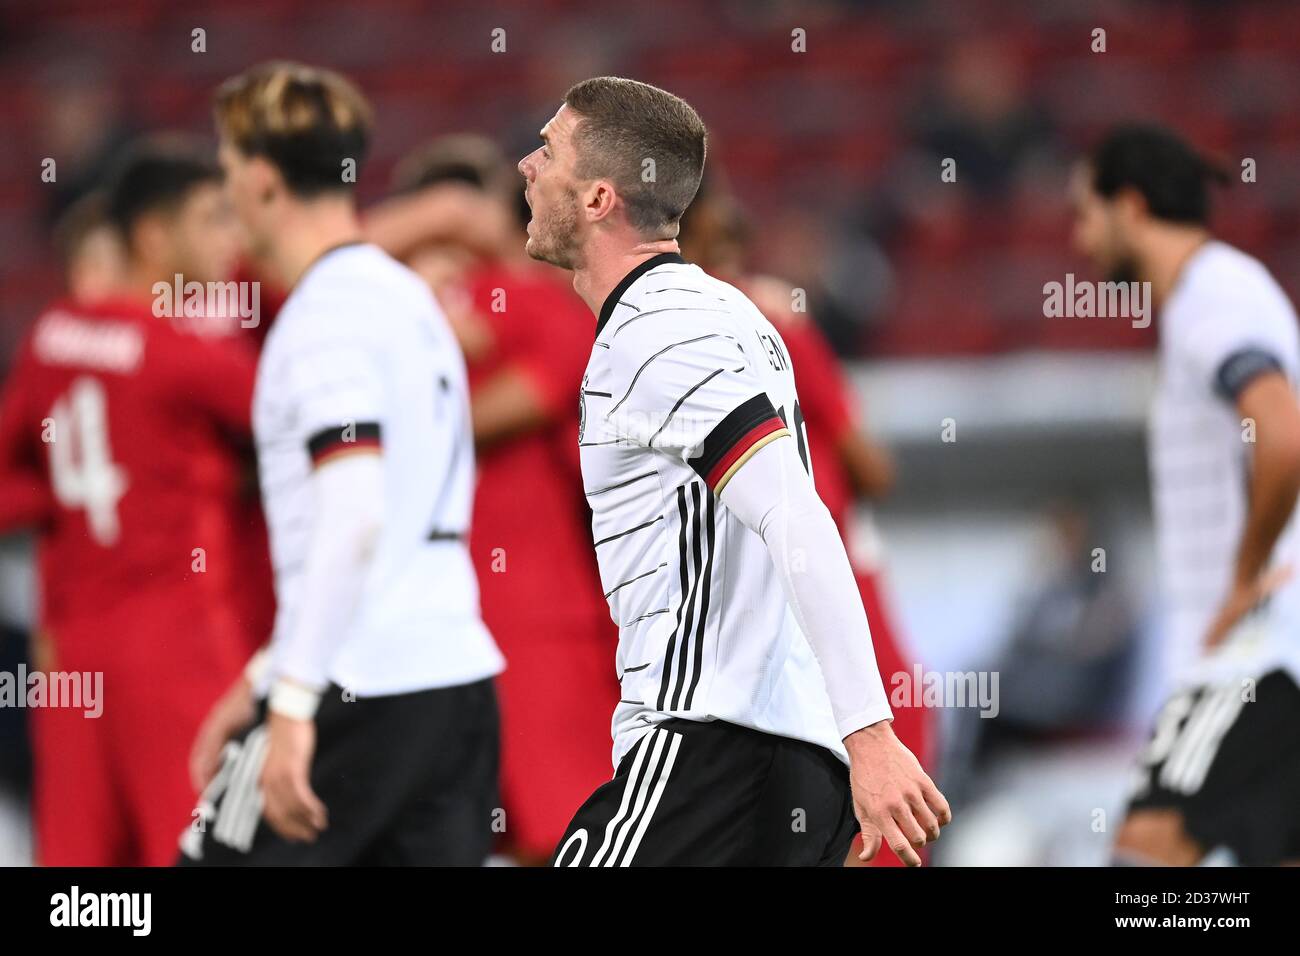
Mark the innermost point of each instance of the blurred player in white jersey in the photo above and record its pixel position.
(747, 671)
(379, 743)
(1222, 769)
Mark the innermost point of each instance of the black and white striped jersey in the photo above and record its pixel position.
(361, 356)
(686, 380)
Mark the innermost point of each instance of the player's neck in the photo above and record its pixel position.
(308, 232)
(1167, 255)
(605, 269)
(139, 282)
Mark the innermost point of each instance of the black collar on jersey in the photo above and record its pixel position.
(611, 300)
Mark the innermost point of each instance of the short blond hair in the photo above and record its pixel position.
(305, 120)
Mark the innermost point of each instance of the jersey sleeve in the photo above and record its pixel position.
(216, 376)
(335, 385)
(1229, 345)
(692, 393)
(25, 496)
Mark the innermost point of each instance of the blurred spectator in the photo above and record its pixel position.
(1063, 699)
(81, 128)
(980, 116)
(1068, 667)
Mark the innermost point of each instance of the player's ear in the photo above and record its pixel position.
(266, 180)
(600, 200)
(1130, 205)
(150, 239)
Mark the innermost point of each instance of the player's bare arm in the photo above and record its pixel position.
(440, 213)
(869, 464)
(506, 405)
(1270, 404)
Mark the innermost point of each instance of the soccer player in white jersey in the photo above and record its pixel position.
(748, 677)
(1222, 769)
(379, 742)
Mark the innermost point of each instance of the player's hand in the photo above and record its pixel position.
(43, 658)
(1241, 600)
(893, 798)
(289, 805)
(233, 712)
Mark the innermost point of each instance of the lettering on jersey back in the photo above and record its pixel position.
(776, 356)
(63, 339)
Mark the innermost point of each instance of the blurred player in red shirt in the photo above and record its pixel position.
(847, 466)
(526, 336)
(124, 436)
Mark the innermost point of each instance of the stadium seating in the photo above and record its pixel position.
(829, 129)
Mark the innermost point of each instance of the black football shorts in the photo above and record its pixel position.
(407, 779)
(710, 793)
(1227, 757)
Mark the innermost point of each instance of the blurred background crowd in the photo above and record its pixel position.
(929, 292)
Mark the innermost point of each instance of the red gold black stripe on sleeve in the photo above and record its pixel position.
(744, 431)
(330, 443)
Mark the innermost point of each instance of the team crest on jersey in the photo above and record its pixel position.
(582, 408)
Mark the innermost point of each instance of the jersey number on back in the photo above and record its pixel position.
(82, 470)
(800, 430)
